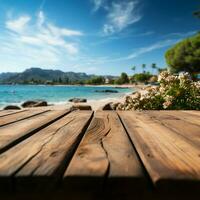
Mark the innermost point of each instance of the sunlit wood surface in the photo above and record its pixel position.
(63, 154)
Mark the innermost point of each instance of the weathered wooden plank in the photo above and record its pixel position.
(19, 116)
(9, 112)
(16, 132)
(193, 112)
(178, 116)
(125, 169)
(105, 151)
(189, 117)
(40, 160)
(87, 170)
(184, 124)
(172, 163)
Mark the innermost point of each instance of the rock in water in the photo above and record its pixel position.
(12, 107)
(81, 107)
(110, 106)
(40, 104)
(78, 100)
(122, 88)
(115, 105)
(29, 104)
(107, 106)
(107, 91)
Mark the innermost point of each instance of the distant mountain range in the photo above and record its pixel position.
(38, 75)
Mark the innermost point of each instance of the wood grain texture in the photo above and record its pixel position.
(184, 124)
(193, 112)
(123, 155)
(105, 159)
(9, 112)
(16, 132)
(39, 161)
(186, 117)
(8, 119)
(172, 163)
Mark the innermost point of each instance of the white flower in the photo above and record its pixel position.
(163, 75)
(184, 76)
(169, 98)
(167, 104)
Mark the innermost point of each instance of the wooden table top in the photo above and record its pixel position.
(63, 154)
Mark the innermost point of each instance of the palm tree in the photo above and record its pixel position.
(162, 69)
(197, 14)
(134, 68)
(153, 66)
(143, 67)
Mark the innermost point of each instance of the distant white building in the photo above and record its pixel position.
(107, 80)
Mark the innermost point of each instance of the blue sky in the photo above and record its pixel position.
(92, 36)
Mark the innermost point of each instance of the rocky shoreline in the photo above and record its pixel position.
(80, 103)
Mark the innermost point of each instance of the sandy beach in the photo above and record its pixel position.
(97, 104)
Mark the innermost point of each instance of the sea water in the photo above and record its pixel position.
(16, 94)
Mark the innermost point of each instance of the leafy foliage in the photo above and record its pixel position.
(142, 77)
(174, 93)
(123, 79)
(197, 14)
(98, 80)
(185, 56)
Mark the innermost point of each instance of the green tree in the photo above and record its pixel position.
(143, 67)
(185, 56)
(153, 66)
(32, 80)
(161, 69)
(133, 68)
(98, 80)
(123, 79)
(142, 77)
(66, 80)
(197, 14)
(60, 80)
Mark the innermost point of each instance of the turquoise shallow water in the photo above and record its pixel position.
(16, 94)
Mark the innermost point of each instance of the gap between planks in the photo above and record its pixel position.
(41, 166)
(172, 163)
(14, 133)
(19, 116)
(10, 112)
(183, 124)
(105, 161)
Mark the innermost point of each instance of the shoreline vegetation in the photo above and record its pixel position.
(173, 92)
(95, 104)
(143, 96)
(174, 88)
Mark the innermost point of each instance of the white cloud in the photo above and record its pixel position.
(158, 45)
(121, 36)
(108, 29)
(42, 33)
(92, 62)
(63, 31)
(18, 25)
(120, 15)
(97, 4)
(42, 5)
(36, 41)
(31, 40)
(182, 35)
(41, 18)
(138, 52)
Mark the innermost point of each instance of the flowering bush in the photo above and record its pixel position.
(174, 93)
